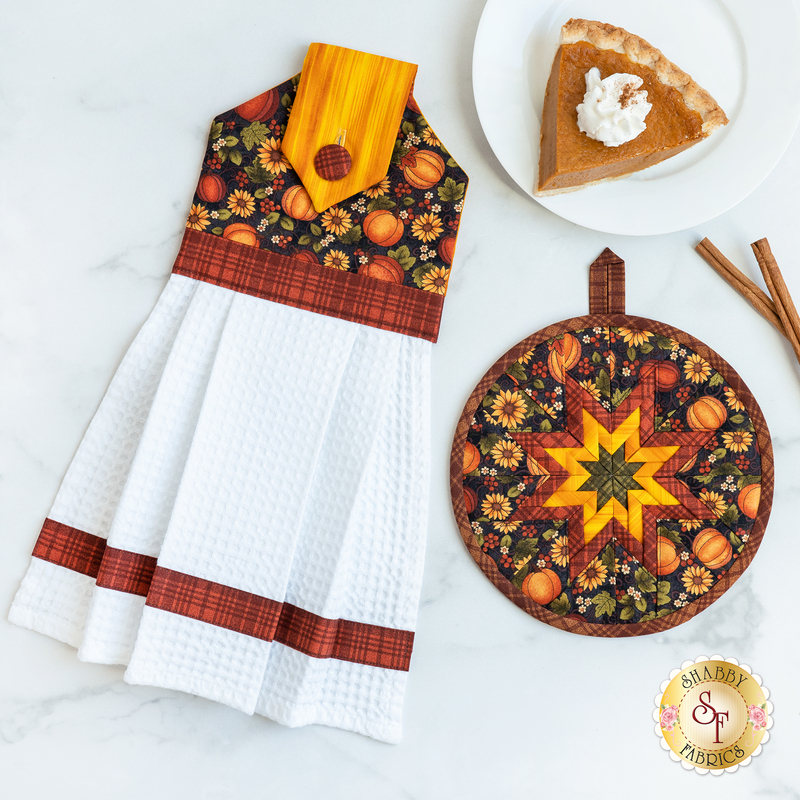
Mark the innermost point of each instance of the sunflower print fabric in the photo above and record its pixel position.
(612, 475)
(402, 229)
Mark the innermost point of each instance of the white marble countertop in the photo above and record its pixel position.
(103, 117)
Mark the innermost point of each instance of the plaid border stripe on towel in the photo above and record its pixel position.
(312, 287)
(69, 547)
(124, 571)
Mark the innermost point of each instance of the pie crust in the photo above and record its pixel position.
(570, 160)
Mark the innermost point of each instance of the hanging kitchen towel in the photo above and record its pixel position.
(266, 550)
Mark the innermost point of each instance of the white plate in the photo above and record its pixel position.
(743, 52)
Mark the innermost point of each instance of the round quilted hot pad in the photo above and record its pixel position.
(610, 474)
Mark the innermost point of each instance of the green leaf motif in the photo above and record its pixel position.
(641, 604)
(273, 217)
(488, 442)
(646, 347)
(673, 536)
(737, 419)
(607, 557)
(716, 379)
(286, 100)
(216, 132)
(451, 192)
(223, 214)
(525, 548)
(352, 236)
(604, 604)
(631, 354)
(519, 575)
(538, 383)
(403, 257)
(258, 174)
(287, 223)
(730, 517)
(561, 605)
(516, 370)
(315, 229)
(549, 534)
(513, 492)
(381, 203)
(596, 358)
(663, 593)
(236, 157)
(506, 541)
(619, 397)
(260, 194)
(399, 152)
(231, 141)
(255, 133)
(604, 383)
(626, 613)
(645, 581)
(545, 426)
(217, 231)
(418, 274)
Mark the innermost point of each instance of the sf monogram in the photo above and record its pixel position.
(709, 715)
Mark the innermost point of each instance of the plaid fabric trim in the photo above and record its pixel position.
(344, 640)
(68, 547)
(607, 284)
(313, 287)
(270, 620)
(124, 571)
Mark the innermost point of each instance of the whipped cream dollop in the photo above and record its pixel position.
(613, 109)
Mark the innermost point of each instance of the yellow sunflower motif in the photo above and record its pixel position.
(559, 551)
(732, 400)
(697, 580)
(508, 408)
(506, 454)
(697, 369)
(690, 524)
(496, 506)
(593, 576)
(337, 221)
(242, 203)
(591, 387)
(506, 527)
(435, 280)
(738, 441)
(336, 259)
(271, 156)
(198, 217)
(427, 227)
(526, 357)
(429, 137)
(634, 338)
(378, 189)
(715, 501)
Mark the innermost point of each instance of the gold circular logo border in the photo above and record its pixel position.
(735, 715)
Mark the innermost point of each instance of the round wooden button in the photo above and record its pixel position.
(332, 162)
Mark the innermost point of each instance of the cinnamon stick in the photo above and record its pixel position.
(739, 281)
(780, 293)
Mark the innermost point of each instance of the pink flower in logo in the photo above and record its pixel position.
(668, 717)
(757, 716)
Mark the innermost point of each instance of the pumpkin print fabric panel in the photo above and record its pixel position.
(612, 475)
(402, 229)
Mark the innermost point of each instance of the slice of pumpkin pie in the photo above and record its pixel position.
(615, 105)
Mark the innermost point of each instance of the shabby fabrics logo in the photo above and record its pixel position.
(713, 715)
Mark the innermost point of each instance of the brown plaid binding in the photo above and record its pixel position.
(607, 284)
(221, 605)
(313, 287)
(332, 162)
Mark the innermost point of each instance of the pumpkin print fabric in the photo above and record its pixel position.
(612, 480)
(402, 229)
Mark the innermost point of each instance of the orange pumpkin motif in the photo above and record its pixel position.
(447, 248)
(470, 499)
(211, 188)
(383, 228)
(472, 457)
(384, 268)
(296, 202)
(307, 256)
(242, 233)
(667, 373)
(542, 587)
(748, 500)
(259, 108)
(564, 355)
(706, 414)
(712, 548)
(423, 168)
(667, 556)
